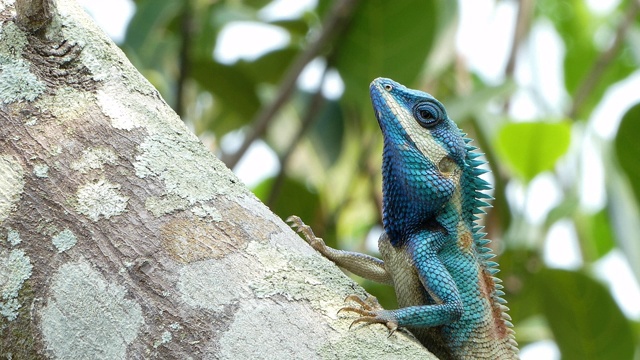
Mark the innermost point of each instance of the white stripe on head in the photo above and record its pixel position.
(420, 136)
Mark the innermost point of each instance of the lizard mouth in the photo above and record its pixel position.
(381, 91)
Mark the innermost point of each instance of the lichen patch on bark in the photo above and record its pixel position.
(15, 269)
(129, 109)
(286, 321)
(187, 174)
(41, 170)
(64, 240)
(80, 299)
(184, 173)
(165, 338)
(206, 212)
(122, 116)
(66, 103)
(13, 237)
(17, 82)
(196, 281)
(289, 274)
(11, 184)
(94, 158)
(100, 199)
(162, 205)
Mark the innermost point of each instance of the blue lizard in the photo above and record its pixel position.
(434, 253)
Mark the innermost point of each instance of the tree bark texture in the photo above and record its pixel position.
(121, 236)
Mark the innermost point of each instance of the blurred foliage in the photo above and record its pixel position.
(531, 148)
(330, 149)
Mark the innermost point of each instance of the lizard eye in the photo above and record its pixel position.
(427, 114)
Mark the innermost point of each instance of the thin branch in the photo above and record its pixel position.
(523, 25)
(334, 24)
(34, 15)
(601, 64)
(311, 114)
(186, 27)
(499, 219)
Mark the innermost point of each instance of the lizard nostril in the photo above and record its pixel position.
(388, 87)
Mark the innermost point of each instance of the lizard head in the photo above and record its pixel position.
(415, 119)
(424, 159)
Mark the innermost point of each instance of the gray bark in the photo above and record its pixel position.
(122, 236)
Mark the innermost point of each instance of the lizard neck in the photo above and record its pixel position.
(417, 191)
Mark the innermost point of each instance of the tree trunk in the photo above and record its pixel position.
(123, 237)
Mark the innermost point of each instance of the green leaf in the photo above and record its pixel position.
(627, 148)
(533, 147)
(229, 84)
(385, 38)
(585, 320)
(576, 25)
(516, 267)
(467, 105)
(257, 4)
(327, 132)
(579, 28)
(596, 234)
(566, 208)
(295, 199)
(296, 27)
(148, 26)
(204, 36)
(269, 67)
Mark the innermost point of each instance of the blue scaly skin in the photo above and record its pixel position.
(433, 251)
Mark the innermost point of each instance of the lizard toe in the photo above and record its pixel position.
(363, 312)
(378, 318)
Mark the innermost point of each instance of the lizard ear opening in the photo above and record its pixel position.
(427, 114)
(447, 166)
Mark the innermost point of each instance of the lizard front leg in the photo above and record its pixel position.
(425, 276)
(363, 265)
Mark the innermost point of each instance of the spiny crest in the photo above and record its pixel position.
(484, 252)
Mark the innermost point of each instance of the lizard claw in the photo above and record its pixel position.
(356, 310)
(391, 325)
(370, 304)
(369, 314)
(296, 223)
